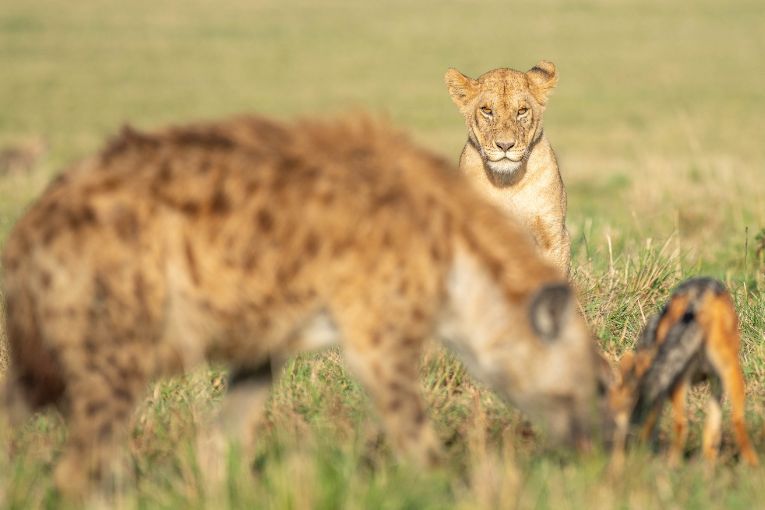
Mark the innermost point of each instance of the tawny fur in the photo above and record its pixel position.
(507, 155)
(248, 239)
(695, 338)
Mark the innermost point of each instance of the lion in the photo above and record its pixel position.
(507, 155)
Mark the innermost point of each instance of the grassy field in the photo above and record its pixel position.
(657, 122)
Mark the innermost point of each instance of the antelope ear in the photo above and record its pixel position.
(626, 363)
(542, 79)
(461, 88)
(607, 376)
(550, 309)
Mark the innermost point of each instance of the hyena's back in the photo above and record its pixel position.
(222, 241)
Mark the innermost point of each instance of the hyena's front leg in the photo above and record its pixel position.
(383, 349)
(247, 392)
(101, 395)
(389, 372)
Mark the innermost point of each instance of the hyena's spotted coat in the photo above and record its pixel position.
(247, 239)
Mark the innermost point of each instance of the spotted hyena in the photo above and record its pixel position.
(247, 239)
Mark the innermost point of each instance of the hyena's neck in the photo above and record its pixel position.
(476, 314)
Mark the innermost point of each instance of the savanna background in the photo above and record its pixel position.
(658, 125)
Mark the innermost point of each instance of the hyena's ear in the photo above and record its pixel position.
(542, 79)
(550, 309)
(461, 88)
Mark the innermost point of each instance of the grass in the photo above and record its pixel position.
(656, 122)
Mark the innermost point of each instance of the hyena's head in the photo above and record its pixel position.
(535, 350)
(557, 373)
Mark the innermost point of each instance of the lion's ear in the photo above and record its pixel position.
(542, 79)
(462, 89)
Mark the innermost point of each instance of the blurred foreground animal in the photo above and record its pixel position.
(693, 339)
(247, 239)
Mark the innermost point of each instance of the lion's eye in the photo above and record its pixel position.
(523, 111)
(486, 110)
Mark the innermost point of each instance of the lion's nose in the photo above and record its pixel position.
(505, 145)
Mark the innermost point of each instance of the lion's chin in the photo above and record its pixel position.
(504, 166)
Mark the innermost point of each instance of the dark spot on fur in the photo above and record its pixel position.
(165, 172)
(419, 416)
(376, 338)
(204, 166)
(60, 180)
(90, 345)
(395, 387)
(126, 226)
(326, 197)
(94, 407)
(410, 341)
(220, 203)
(288, 272)
(51, 209)
(311, 245)
(129, 139)
(105, 431)
(251, 187)
(46, 279)
(265, 220)
(386, 199)
(12, 262)
(110, 183)
(205, 139)
(122, 394)
(418, 314)
(395, 405)
(250, 261)
(80, 217)
(190, 208)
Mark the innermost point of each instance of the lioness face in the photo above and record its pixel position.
(503, 112)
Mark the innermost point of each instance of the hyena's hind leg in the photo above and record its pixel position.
(102, 390)
(107, 340)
